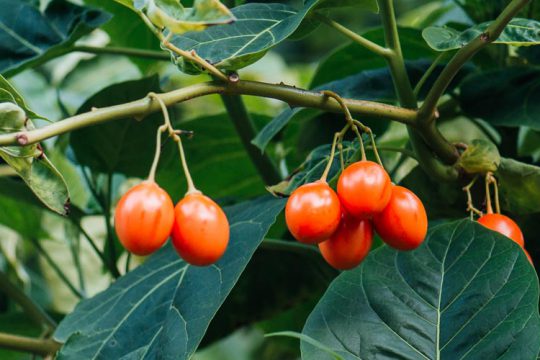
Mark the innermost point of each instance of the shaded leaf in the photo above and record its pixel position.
(258, 28)
(518, 32)
(168, 303)
(27, 223)
(360, 59)
(480, 10)
(466, 293)
(214, 152)
(125, 146)
(27, 35)
(519, 184)
(487, 96)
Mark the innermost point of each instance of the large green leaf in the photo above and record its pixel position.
(166, 302)
(374, 85)
(125, 146)
(258, 27)
(27, 223)
(509, 97)
(27, 35)
(360, 59)
(518, 32)
(519, 184)
(211, 156)
(30, 162)
(171, 14)
(466, 293)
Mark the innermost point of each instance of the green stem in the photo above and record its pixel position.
(75, 249)
(289, 246)
(57, 269)
(427, 111)
(29, 306)
(113, 50)
(98, 252)
(428, 73)
(423, 139)
(42, 347)
(111, 246)
(359, 39)
(246, 131)
(6, 170)
(145, 106)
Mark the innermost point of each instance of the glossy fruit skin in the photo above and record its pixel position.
(403, 223)
(143, 218)
(313, 212)
(364, 188)
(504, 225)
(349, 245)
(200, 232)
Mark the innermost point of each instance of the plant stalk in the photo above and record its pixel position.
(245, 128)
(42, 347)
(28, 305)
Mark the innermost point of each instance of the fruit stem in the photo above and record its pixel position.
(489, 208)
(176, 138)
(153, 169)
(493, 180)
(470, 205)
(331, 159)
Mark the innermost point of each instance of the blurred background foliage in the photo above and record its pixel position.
(269, 295)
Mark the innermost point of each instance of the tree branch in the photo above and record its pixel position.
(141, 108)
(492, 33)
(41, 347)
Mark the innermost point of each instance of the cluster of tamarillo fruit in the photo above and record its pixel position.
(145, 216)
(343, 224)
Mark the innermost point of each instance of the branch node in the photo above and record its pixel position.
(485, 37)
(22, 139)
(234, 77)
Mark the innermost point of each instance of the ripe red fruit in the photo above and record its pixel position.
(504, 225)
(200, 232)
(143, 218)
(313, 212)
(364, 189)
(349, 245)
(403, 222)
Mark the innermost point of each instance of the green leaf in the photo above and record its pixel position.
(212, 157)
(127, 30)
(308, 340)
(480, 157)
(30, 162)
(374, 85)
(161, 300)
(518, 32)
(125, 146)
(27, 223)
(519, 185)
(480, 10)
(258, 28)
(466, 293)
(360, 59)
(28, 36)
(176, 18)
(487, 96)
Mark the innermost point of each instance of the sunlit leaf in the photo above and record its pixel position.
(518, 32)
